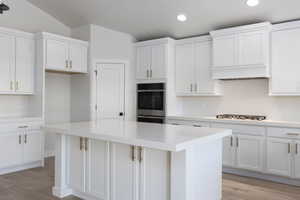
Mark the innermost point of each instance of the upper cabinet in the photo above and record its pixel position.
(193, 68)
(64, 54)
(152, 59)
(241, 52)
(17, 60)
(285, 59)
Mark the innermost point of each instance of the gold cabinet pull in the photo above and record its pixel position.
(296, 149)
(196, 87)
(147, 73)
(11, 85)
(17, 85)
(231, 141)
(141, 154)
(67, 64)
(293, 134)
(71, 64)
(150, 73)
(86, 144)
(20, 139)
(133, 153)
(191, 87)
(289, 148)
(25, 139)
(237, 142)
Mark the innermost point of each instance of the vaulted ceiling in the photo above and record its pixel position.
(147, 19)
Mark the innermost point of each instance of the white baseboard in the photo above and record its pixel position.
(49, 154)
(21, 167)
(262, 176)
(61, 192)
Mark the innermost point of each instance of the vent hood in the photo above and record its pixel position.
(241, 52)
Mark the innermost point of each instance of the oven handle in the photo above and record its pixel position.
(152, 117)
(150, 90)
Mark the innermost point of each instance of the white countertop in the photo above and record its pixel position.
(286, 124)
(157, 136)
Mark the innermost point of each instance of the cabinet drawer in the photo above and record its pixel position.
(241, 129)
(19, 127)
(188, 123)
(284, 133)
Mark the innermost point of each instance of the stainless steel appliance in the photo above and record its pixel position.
(241, 117)
(151, 102)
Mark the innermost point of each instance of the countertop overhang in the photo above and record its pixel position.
(158, 136)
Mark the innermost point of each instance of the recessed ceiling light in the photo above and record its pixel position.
(252, 3)
(181, 17)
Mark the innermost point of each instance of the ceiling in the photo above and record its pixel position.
(148, 19)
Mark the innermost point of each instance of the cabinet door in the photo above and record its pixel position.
(154, 174)
(252, 47)
(224, 51)
(297, 159)
(7, 63)
(279, 156)
(203, 58)
(158, 62)
(143, 62)
(249, 152)
(228, 151)
(285, 62)
(11, 149)
(98, 169)
(185, 77)
(32, 146)
(57, 55)
(123, 173)
(76, 164)
(77, 58)
(25, 65)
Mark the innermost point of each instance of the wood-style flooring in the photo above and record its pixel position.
(36, 184)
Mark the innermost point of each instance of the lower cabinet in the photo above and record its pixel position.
(228, 152)
(20, 148)
(297, 159)
(118, 171)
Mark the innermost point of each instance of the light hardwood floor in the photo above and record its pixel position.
(35, 184)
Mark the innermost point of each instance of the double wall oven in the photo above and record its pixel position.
(151, 102)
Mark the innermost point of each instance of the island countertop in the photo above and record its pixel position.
(158, 136)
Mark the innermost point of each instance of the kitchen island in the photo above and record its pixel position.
(128, 160)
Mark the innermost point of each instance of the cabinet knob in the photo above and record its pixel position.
(141, 154)
(67, 64)
(133, 153)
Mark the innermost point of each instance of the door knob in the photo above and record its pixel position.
(121, 114)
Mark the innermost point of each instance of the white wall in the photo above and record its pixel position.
(244, 97)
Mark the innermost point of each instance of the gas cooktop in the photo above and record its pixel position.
(241, 117)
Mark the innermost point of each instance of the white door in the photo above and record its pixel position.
(154, 174)
(123, 172)
(76, 163)
(98, 169)
(110, 91)
(252, 48)
(143, 62)
(185, 77)
(224, 51)
(297, 159)
(203, 57)
(11, 149)
(77, 58)
(25, 65)
(57, 55)
(249, 152)
(7, 63)
(228, 151)
(158, 62)
(279, 156)
(32, 146)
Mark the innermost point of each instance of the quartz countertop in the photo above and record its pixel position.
(157, 136)
(274, 123)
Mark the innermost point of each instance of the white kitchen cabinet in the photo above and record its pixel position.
(285, 60)
(11, 149)
(123, 177)
(77, 165)
(32, 146)
(25, 65)
(62, 54)
(152, 59)
(154, 174)
(7, 63)
(249, 152)
(228, 152)
(57, 55)
(241, 52)
(193, 68)
(279, 157)
(98, 169)
(297, 159)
